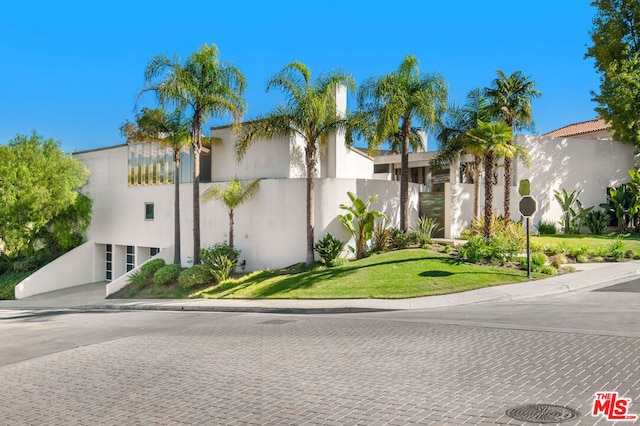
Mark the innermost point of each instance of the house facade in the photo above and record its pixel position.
(133, 192)
(132, 187)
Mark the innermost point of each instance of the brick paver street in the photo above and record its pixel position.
(211, 368)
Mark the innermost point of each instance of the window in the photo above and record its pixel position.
(380, 168)
(153, 251)
(131, 258)
(109, 264)
(150, 164)
(148, 211)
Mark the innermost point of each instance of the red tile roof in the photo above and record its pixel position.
(582, 128)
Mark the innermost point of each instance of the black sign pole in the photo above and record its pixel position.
(528, 252)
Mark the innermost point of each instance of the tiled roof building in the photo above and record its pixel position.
(591, 129)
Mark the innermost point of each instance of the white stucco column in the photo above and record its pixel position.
(337, 150)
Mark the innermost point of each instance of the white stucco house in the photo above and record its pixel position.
(132, 189)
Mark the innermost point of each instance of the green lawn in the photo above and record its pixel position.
(397, 274)
(630, 241)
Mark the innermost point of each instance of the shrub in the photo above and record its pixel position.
(138, 277)
(548, 270)
(629, 254)
(426, 228)
(150, 268)
(581, 258)
(598, 259)
(5, 264)
(166, 274)
(25, 265)
(536, 246)
(475, 250)
(616, 249)
(329, 248)
(504, 248)
(597, 221)
(194, 276)
(221, 267)
(220, 260)
(546, 227)
(447, 248)
(558, 260)
(382, 237)
(414, 237)
(401, 240)
(338, 261)
(538, 260)
(577, 251)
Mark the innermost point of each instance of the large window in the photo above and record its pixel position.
(150, 164)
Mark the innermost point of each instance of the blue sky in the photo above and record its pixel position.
(71, 70)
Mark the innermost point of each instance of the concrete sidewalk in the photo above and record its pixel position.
(91, 296)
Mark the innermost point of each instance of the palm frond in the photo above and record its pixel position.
(278, 124)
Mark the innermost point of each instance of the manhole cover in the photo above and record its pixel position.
(276, 322)
(542, 413)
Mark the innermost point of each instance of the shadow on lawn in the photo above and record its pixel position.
(300, 280)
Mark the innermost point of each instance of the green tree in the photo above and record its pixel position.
(208, 87)
(39, 185)
(493, 138)
(398, 100)
(511, 98)
(616, 49)
(455, 141)
(64, 231)
(169, 129)
(360, 221)
(309, 114)
(232, 197)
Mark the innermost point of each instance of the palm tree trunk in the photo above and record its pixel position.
(360, 242)
(507, 186)
(404, 176)
(310, 152)
(477, 160)
(176, 206)
(196, 143)
(231, 229)
(488, 192)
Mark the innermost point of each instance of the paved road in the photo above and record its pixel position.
(462, 365)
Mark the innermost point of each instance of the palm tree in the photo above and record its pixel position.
(397, 100)
(232, 196)
(310, 114)
(167, 129)
(511, 99)
(454, 140)
(493, 139)
(207, 86)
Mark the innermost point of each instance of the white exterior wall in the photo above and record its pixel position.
(276, 158)
(270, 229)
(73, 268)
(588, 164)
